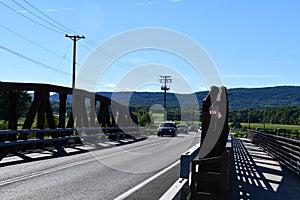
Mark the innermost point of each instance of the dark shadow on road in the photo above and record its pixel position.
(56, 151)
(256, 175)
(44, 154)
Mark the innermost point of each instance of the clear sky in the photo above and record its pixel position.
(252, 43)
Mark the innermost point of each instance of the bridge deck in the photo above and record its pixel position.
(256, 175)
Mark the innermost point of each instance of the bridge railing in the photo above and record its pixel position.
(281, 132)
(286, 150)
(63, 136)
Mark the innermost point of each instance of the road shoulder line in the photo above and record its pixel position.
(142, 184)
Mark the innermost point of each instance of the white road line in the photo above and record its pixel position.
(54, 169)
(142, 184)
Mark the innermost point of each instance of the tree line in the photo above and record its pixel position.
(276, 115)
(273, 115)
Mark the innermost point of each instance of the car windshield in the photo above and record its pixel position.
(166, 125)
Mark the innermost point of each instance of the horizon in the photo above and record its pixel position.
(201, 90)
(245, 44)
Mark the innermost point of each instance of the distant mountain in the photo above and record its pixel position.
(239, 98)
(242, 98)
(55, 97)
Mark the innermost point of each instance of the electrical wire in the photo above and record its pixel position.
(105, 52)
(34, 21)
(34, 61)
(123, 64)
(51, 24)
(34, 43)
(40, 63)
(61, 29)
(64, 28)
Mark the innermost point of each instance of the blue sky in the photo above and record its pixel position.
(252, 43)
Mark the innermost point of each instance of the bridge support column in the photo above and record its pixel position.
(92, 112)
(62, 110)
(13, 113)
(31, 114)
(103, 115)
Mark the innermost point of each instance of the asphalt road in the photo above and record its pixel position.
(105, 173)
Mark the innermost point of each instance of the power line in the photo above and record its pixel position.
(61, 28)
(90, 42)
(36, 15)
(106, 56)
(34, 21)
(39, 63)
(64, 28)
(34, 43)
(34, 61)
(110, 55)
(118, 61)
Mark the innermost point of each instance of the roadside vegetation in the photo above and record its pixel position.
(284, 119)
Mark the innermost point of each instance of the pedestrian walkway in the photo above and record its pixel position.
(256, 175)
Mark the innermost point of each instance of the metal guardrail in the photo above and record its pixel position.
(66, 135)
(281, 132)
(286, 150)
(180, 190)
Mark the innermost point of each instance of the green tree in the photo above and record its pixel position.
(143, 117)
(23, 105)
(25, 101)
(3, 105)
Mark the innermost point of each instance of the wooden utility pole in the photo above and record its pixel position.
(74, 38)
(165, 80)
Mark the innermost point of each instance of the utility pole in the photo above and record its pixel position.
(165, 80)
(74, 38)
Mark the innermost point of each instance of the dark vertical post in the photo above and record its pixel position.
(104, 112)
(165, 104)
(70, 123)
(13, 112)
(41, 114)
(76, 100)
(121, 118)
(74, 63)
(113, 121)
(92, 112)
(50, 116)
(31, 114)
(85, 121)
(62, 110)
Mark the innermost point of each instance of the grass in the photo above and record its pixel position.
(293, 128)
(158, 118)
